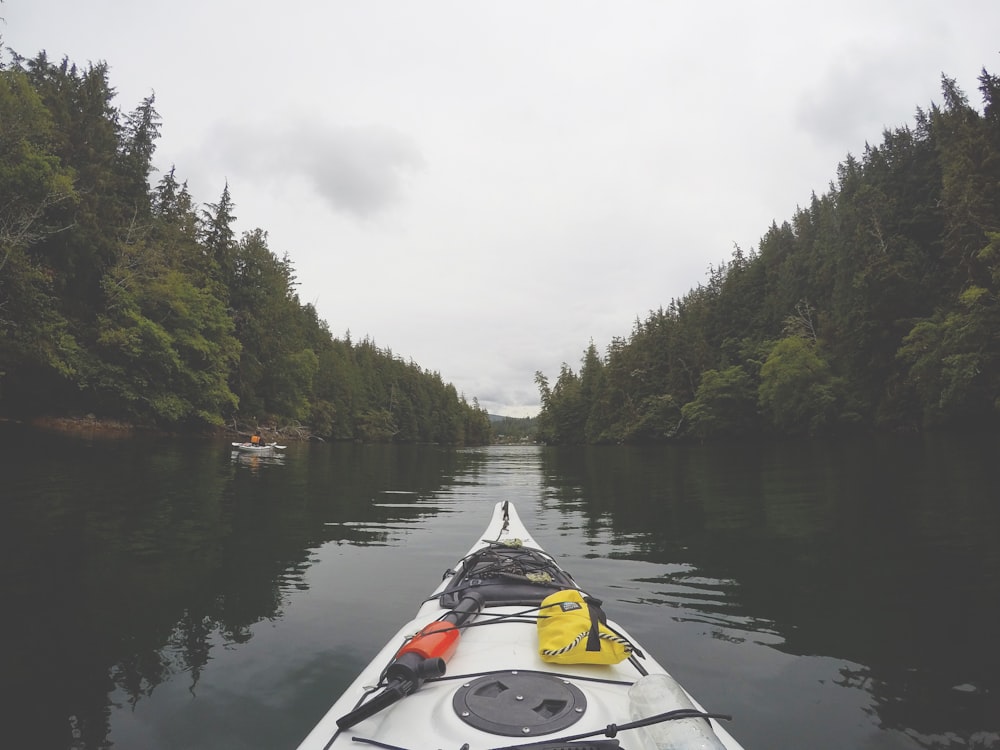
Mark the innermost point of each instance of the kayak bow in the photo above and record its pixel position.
(472, 671)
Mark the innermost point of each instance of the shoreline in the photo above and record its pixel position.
(94, 426)
(101, 427)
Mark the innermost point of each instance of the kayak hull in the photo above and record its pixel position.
(257, 447)
(500, 650)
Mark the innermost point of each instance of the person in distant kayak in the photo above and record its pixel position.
(256, 439)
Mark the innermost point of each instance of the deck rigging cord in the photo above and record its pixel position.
(526, 570)
(610, 731)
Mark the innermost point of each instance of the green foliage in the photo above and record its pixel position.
(135, 303)
(564, 408)
(796, 389)
(476, 424)
(954, 358)
(515, 429)
(875, 304)
(725, 405)
(656, 418)
(165, 344)
(376, 426)
(37, 348)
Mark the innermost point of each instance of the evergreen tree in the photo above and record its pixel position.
(898, 263)
(219, 237)
(796, 390)
(133, 303)
(139, 136)
(37, 349)
(724, 406)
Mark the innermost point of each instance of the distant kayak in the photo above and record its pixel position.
(507, 653)
(258, 447)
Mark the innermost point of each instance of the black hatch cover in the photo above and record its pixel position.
(519, 704)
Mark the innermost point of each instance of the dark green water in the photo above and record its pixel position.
(164, 594)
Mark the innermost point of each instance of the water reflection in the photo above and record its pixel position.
(256, 461)
(828, 596)
(134, 564)
(881, 555)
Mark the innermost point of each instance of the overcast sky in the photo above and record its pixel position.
(486, 187)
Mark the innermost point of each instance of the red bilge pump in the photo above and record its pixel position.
(421, 658)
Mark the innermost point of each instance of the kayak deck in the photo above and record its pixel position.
(496, 691)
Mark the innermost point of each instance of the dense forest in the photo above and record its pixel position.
(121, 297)
(877, 307)
(513, 430)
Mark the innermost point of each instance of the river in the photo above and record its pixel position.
(165, 593)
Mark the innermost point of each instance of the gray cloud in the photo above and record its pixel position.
(359, 171)
(847, 104)
(840, 115)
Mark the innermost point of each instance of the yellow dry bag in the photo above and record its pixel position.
(570, 631)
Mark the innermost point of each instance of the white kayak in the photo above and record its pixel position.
(484, 665)
(258, 447)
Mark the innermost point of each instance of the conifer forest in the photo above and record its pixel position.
(875, 307)
(130, 301)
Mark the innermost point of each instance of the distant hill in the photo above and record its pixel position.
(513, 429)
(494, 418)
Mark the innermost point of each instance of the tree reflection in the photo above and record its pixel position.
(879, 553)
(128, 568)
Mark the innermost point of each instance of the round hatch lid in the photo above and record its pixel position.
(519, 704)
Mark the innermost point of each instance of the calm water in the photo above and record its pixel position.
(166, 594)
